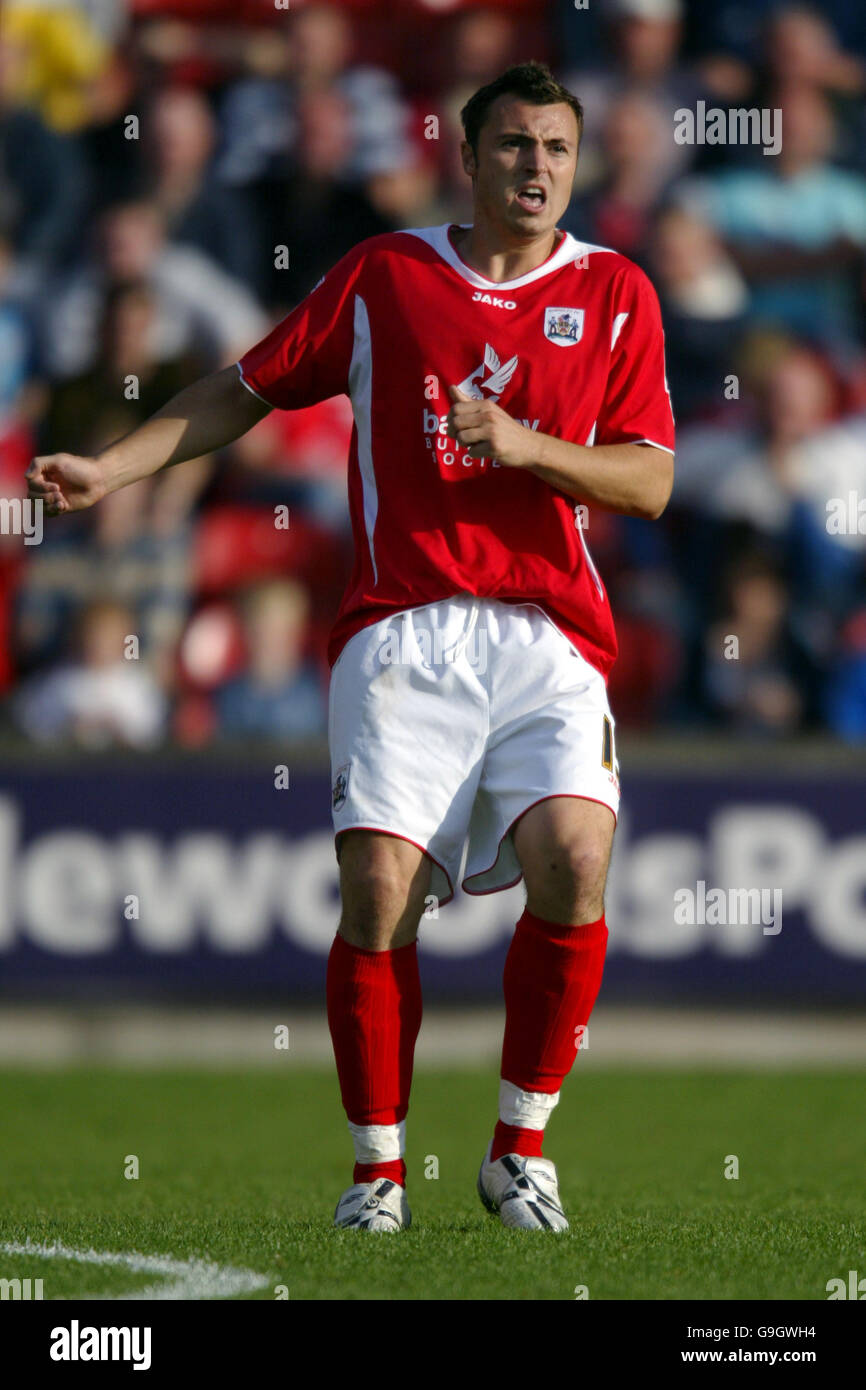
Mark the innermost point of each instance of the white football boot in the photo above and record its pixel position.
(380, 1205)
(524, 1192)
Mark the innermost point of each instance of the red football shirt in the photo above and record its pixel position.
(574, 349)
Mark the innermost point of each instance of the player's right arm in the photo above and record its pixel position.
(304, 359)
(205, 416)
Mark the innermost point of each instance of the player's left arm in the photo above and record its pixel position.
(629, 467)
(635, 479)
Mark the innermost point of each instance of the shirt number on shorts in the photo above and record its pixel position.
(607, 744)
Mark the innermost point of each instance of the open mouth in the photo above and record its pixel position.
(532, 197)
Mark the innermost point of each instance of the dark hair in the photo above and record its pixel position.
(532, 82)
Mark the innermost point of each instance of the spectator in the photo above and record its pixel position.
(759, 480)
(125, 378)
(795, 42)
(756, 676)
(259, 115)
(747, 473)
(481, 43)
(826, 470)
(44, 184)
(59, 56)
(279, 694)
(115, 160)
(321, 52)
(99, 698)
(136, 547)
(180, 134)
(704, 303)
(801, 47)
(644, 37)
(408, 195)
(796, 226)
(845, 696)
(16, 339)
(617, 210)
(199, 308)
(314, 213)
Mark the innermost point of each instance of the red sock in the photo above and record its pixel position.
(394, 1168)
(551, 980)
(511, 1139)
(374, 1013)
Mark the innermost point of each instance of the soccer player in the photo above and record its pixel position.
(503, 377)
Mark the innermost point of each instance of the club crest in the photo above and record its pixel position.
(563, 326)
(340, 788)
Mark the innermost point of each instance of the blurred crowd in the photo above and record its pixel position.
(154, 154)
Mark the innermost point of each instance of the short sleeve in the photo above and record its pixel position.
(305, 358)
(636, 408)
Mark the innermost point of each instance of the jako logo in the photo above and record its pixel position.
(856, 1287)
(75, 1343)
(495, 383)
(479, 298)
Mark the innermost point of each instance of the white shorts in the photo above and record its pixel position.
(448, 721)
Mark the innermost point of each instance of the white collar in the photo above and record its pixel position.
(569, 249)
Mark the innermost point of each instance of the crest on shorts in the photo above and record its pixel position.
(340, 789)
(563, 326)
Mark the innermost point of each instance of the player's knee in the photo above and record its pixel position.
(382, 900)
(579, 867)
(566, 884)
(373, 892)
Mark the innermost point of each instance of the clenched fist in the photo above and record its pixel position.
(485, 430)
(65, 482)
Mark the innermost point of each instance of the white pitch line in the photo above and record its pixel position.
(192, 1279)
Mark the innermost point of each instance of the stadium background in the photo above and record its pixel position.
(154, 158)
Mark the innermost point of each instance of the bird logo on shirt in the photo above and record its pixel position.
(500, 375)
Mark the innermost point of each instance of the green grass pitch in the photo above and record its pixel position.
(244, 1170)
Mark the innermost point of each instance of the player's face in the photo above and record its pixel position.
(524, 168)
